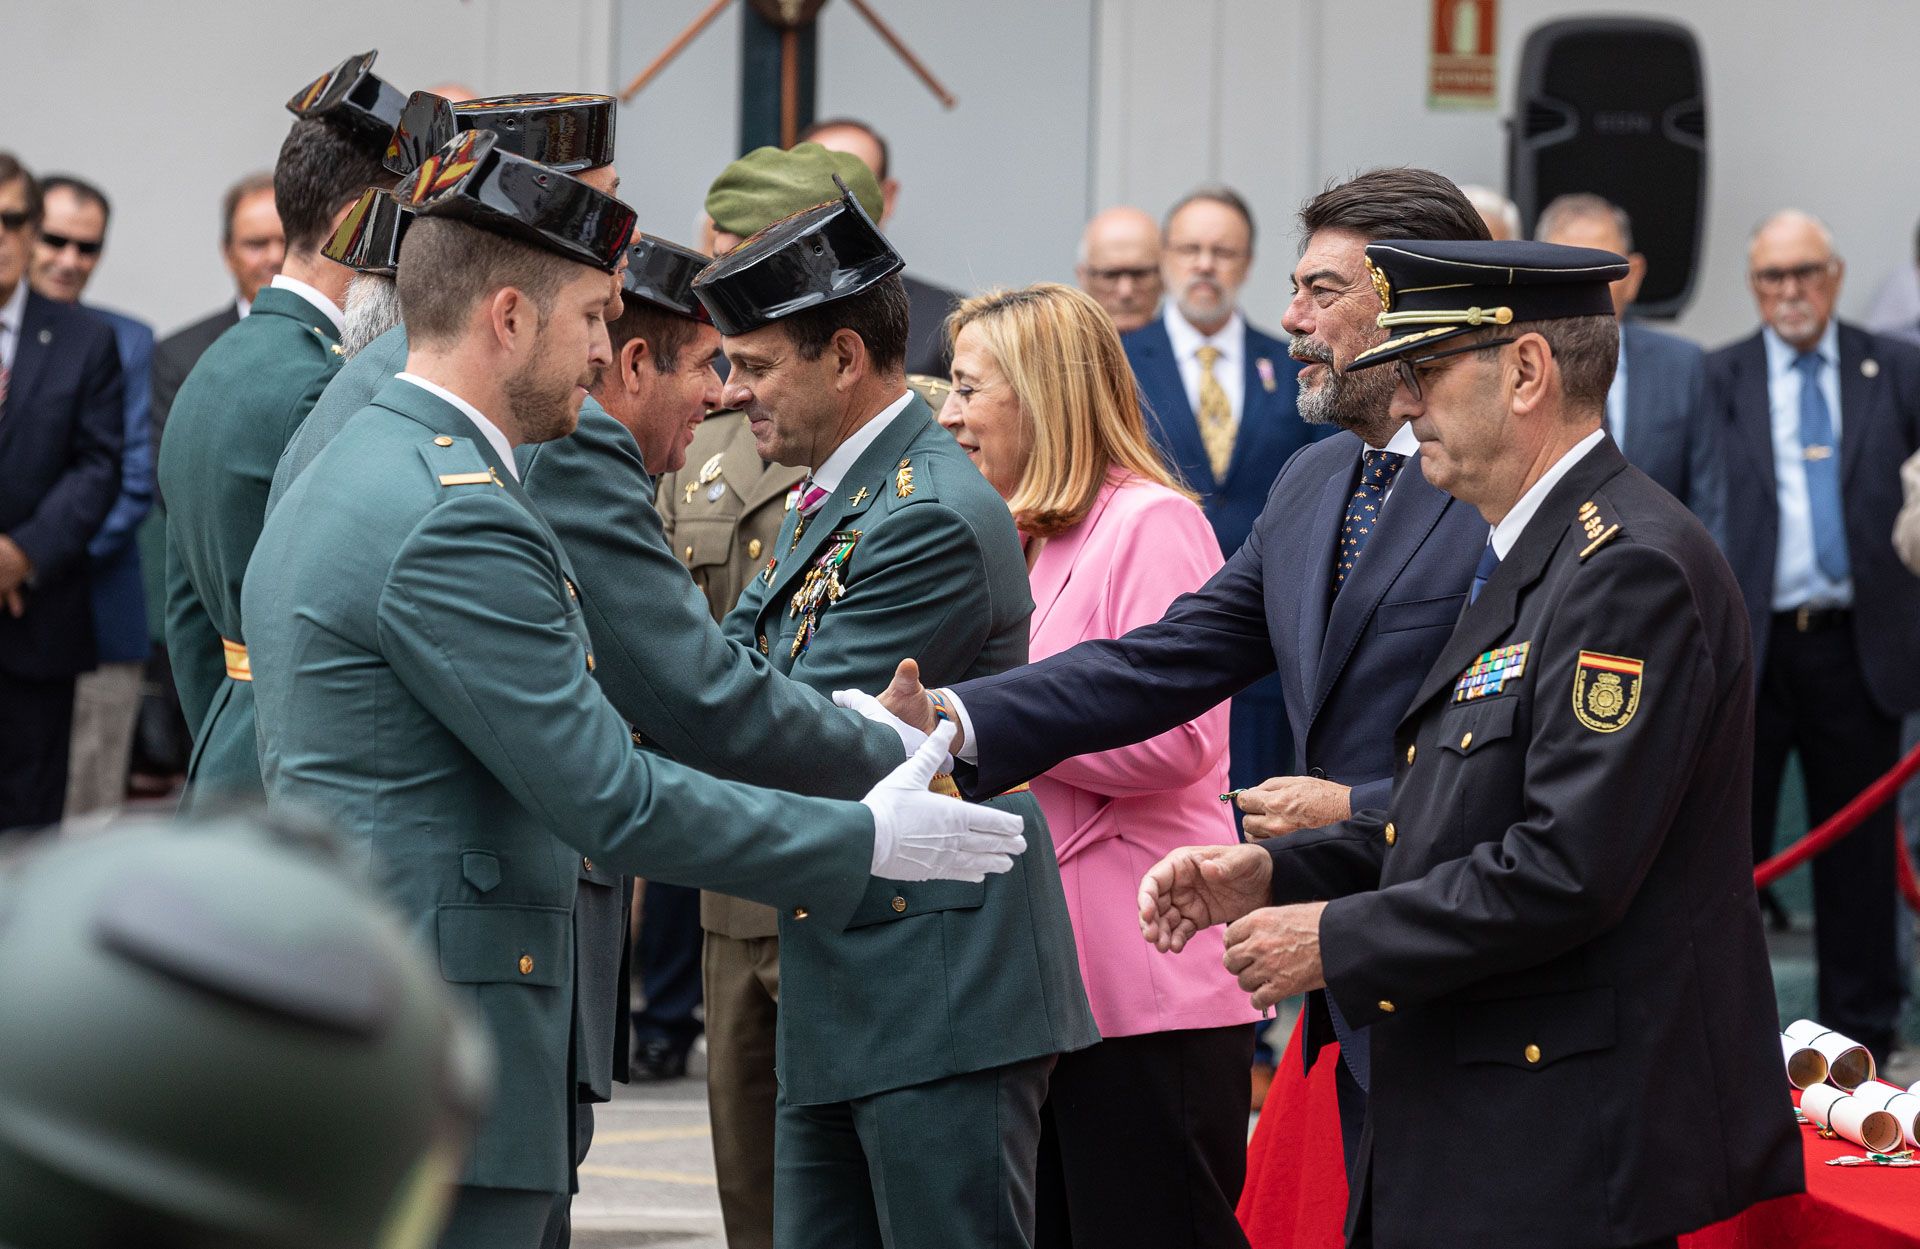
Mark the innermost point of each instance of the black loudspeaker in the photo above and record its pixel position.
(1617, 107)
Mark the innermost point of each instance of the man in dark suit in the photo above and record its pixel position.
(1553, 920)
(60, 418)
(1220, 400)
(73, 235)
(1818, 416)
(928, 303)
(254, 246)
(1657, 408)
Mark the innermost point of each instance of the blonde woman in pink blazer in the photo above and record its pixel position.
(1143, 1135)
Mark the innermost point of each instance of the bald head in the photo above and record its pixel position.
(1795, 276)
(1499, 212)
(1120, 265)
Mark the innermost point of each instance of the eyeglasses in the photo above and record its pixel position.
(1410, 369)
(11, 221)
(1113, 277)
(1193, 251)
(1773, 281)
(59, 242)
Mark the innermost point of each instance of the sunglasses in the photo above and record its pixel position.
(11, 221)
(60, 242)
(1409, 369)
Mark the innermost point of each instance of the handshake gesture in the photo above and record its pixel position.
(904, 706)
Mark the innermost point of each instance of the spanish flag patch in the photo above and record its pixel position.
(1606, 690)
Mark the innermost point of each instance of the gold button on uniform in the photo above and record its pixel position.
(799, 912)
(753, 548)
(587, 863)
(526, 964)
(443, 441)
(1386, 1007)
(1409, 754)
(689, 552)
(763, 643)
(589, 661)
(899, 904)
(1533, 1053)
(1392, 836)
(1466, 740)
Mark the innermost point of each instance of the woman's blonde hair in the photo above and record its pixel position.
(1058, 350)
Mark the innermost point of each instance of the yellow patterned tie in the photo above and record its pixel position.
(1217, 426)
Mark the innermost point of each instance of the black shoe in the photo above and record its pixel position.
(1777, 918)
(657, 1058)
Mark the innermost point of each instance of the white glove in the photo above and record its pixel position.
(911, 739)
(921, 835)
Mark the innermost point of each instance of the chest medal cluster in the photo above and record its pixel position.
(1490, 673)
(821, 588)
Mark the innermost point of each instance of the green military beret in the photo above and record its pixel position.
(767, 184)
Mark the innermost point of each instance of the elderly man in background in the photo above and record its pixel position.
(1120, 265)
(1818, 416)
(1501, 214)
(1657, 407)
(73, 235)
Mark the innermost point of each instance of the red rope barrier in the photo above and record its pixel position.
(1843, 821)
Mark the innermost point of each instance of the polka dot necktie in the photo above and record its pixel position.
(1377, 471)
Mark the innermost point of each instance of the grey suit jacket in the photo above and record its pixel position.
(1670, 433)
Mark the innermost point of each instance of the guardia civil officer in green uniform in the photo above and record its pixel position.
(424, 671)
(1551, 932)
(915, 1043)
(571, 132)
(215, 1037)
(243, 400)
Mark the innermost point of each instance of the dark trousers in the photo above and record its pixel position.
(1143, 1141)
(944, 1165)
(668, 954)
(1814, 701)
(36, 730)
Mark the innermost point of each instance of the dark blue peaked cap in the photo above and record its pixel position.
(1433, 290)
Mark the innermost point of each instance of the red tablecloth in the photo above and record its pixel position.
(1296, 1193)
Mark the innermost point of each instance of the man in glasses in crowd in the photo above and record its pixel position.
(1119, 265)
(73, 233)
(244, 399)
(61, 414)
(1817, 417)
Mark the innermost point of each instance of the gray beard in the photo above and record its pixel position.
(373, 308)
(1347, 400)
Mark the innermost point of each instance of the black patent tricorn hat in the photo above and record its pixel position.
(351, 94)
(368, 240)
(568, 131)
(662, 273)
(814, 257)
(471, 180)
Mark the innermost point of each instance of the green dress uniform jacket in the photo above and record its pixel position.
(351, 388)
(722, 514)
(228, 425)
(1551, 932)
(913, 555)
(423, 672)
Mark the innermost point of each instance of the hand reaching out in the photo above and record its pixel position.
(1199, 886)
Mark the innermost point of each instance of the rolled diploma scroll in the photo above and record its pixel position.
(1897, 1102)
(1805, 1065)
(1852, 1118)
(1849, 1064)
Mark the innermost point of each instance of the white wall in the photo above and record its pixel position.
(1065, 106)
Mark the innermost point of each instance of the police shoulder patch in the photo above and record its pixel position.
(1606, 690)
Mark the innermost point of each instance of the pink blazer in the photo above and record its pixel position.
(1114, 815)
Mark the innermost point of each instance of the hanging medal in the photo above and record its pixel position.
(821, 587)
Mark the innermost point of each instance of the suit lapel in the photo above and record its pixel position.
(1412, 511)
(1168, 409)
(871, 473)
(1053, 569)
(1329, 516)
(1857, 392)
(32, 348)
(1488, 619)
(1752, 415)
(1256, 401)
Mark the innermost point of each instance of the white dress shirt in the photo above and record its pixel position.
(485, 426)
(10, 314)
(1230, 369)
(829, 475)
(1514, 523)
(321, 304)
(242, 306)
(1797, 579)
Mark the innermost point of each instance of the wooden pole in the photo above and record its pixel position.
(789, 85)
(674, 49)
(904, 53)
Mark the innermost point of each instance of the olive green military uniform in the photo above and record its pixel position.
(423, 670)
(914, 1043)
(229, 423)
(722, 514)
(351, 388)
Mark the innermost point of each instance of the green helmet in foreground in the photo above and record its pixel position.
(213, 1038)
